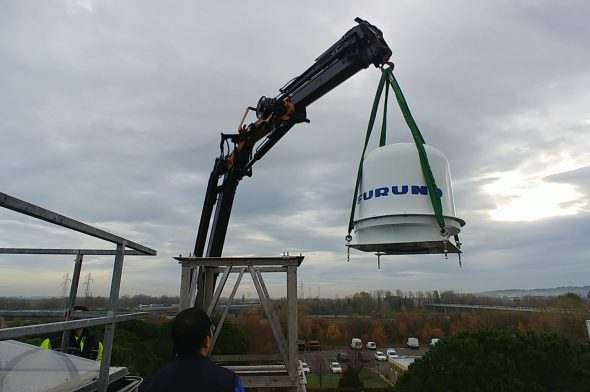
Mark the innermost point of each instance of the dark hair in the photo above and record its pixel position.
(190, 327)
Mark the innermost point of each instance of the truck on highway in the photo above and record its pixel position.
(413, 343)
(356, 344)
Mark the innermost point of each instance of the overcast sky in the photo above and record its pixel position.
(110, 113)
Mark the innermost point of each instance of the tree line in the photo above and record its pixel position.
(391, 317)
(384, 302)
(384, 317)
(378, 302)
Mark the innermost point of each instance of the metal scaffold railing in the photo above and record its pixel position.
(124, 247)
(282, 370)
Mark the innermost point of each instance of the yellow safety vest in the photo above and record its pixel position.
(46, 344)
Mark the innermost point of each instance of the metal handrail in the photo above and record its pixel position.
(110, 320)
(58, 326)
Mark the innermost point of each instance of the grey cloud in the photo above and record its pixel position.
(112, 116)
(579, 177)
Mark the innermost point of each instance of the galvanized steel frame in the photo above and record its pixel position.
(211, 266)
(39, 329)
(26, 208)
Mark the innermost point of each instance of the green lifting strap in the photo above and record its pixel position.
(383, 138)
(387, 74)
(367, 137)
(419, 140)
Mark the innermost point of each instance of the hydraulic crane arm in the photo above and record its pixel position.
(360, 47)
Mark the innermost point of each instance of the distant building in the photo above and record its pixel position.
(398, 366)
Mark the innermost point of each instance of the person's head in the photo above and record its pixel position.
(192, 332)
(78, 309)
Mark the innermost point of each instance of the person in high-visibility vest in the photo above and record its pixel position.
(82, 343)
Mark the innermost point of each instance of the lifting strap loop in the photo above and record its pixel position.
(383, 138)
(419, 140)
(387, 74)
(367, 137)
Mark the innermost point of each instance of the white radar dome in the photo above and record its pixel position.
(394, 213)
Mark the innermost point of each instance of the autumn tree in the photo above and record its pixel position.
(260, 337)
(570, 301)
(333, 334)
(429, 332)
(378, 335)
(357, 327)
(318, 328)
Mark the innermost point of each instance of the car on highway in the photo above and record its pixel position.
(391, 353)
(313, 345)
(380, 356)
(335, 368)
(342, 357)
(371, 345)
(305, 367)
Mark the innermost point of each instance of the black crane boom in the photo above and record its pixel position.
(360, 47)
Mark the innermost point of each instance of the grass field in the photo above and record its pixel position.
(370, 380)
